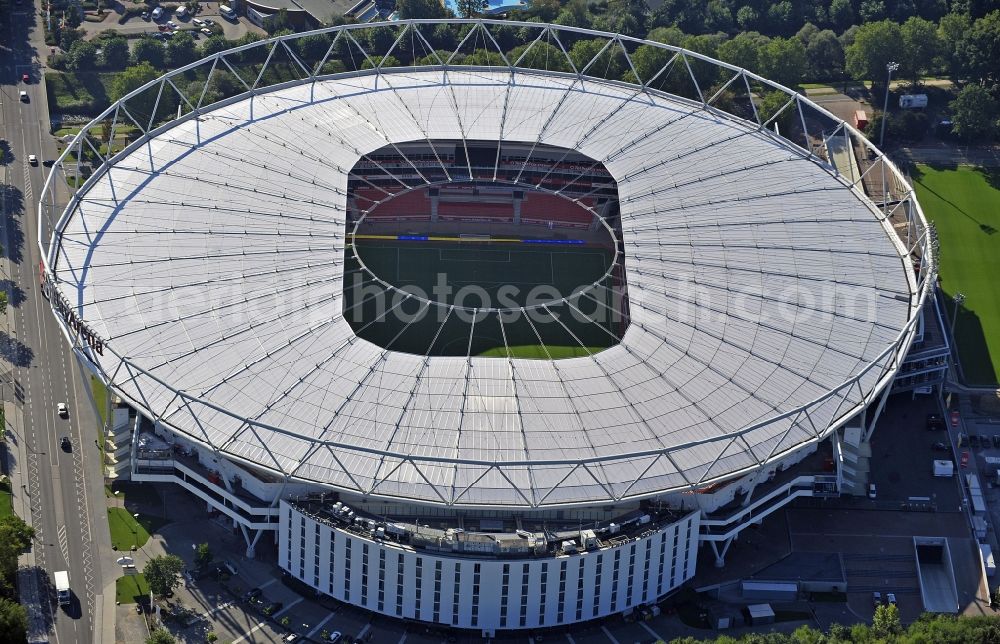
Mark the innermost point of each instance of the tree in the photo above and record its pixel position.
(114, 53)
(771, 104)
(746, 18)
(215, 44)
(872, 10)
(82, 56)
(132, 78)
(744, 50)
(979, 50)
(607, 66)
(278, 22)
(921, 45)
(783, 60)
(779, 17)
(13, 621)
(162, 574)
(875, 45)
(181, 50)
(952, 30)
(3, 302)
(160, 636)
(886, 622)
(147, 50)
(313, 47)
(15, 537)
(841, 14)
(69, 36)
(202, 555)
(974, 114)
(825, 56)
(421, 9)
(470, 8)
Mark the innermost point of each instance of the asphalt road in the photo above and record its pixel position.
(42, 369)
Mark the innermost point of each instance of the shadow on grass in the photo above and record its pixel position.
(991, 175)
(916, 175)
(973, 350)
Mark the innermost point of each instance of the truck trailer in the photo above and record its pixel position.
(62, 587)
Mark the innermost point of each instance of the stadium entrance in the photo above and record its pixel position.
(472, 249)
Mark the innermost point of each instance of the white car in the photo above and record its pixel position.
(63, 410)
(206, 31)
(871, 491)
(198, 22)
(32, 159)
(333, 637)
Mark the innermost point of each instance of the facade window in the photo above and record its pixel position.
(333, 559)
(455, 593)
(420, 583)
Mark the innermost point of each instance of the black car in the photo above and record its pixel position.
(996, 440)
(935, 422)
(940, 447)
(65, 444)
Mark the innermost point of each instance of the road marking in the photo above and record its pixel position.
(253, 630)
(610, 636)
(323, 623)
(267, 583)
(364, 630)
(402, 639)
(63, 542)
(287, 608)
(570, 638)
(650, 630)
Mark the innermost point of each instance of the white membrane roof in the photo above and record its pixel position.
(759, 282)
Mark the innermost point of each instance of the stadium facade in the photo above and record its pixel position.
(709, 305)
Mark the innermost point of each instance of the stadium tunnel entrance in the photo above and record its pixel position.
(484, 249)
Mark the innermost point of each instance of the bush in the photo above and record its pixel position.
(130, 12)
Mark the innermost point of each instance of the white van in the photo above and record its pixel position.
(226, 12)
(157, 13)
(181, 11)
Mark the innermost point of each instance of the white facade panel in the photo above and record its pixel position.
(487, 594)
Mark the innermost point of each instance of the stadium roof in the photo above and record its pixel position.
(769, 299)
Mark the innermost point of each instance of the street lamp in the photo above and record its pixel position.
(135, 532)
(959, 299)
(890, 68)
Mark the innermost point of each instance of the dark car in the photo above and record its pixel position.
(996, 440)
(935, 422)
(65, 444)
(940, 447)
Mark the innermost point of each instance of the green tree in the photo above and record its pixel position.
(783, 60)
(718, 16)
(15, 537)
(470, 8)
(952, 30)
(213, 45)
(132, 78)
(780, 18)
(69, 36)
(921, 45)
(13, 621)
(162, 574)
(747, 17)
(771, 104)
(202, 555)
(3, 302)
(744, 50)
(313, 47)
(147, 50)
(541, 55)
(181, 50)
(421, 9)
(841, 14)
(114, 53)
(825, 56)
(886, 622)
(608, 65)
(974, 114)
(82, 56)
(872, 10)
(979, 50)
(160, 636)
(875, 45)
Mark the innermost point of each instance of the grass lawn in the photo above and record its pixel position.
(126, 530)
(100, 393)
(964, 204)
(130, 588)
(6, 501)
(536, 351)
(78, 92)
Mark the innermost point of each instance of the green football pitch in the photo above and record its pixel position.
(475, 276)
(964, 204)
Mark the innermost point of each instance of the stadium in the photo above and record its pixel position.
(470, 329)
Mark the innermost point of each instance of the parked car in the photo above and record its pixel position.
(198, 21)
(935, 422)
(334, 636)
(206, 31)
(890, 599)
(940, 447)
(876, 599)
(145, 16)
(172, 24)
(209, 22)
(871, 490)
(996, 440)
